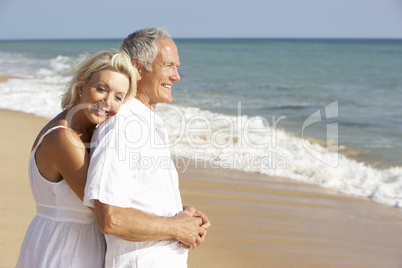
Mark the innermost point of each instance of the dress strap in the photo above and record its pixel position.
(43, 136)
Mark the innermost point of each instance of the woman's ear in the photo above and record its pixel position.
(79, 87)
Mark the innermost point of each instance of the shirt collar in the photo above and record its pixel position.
(137, 107)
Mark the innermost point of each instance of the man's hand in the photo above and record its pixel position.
(205, 223)
(199, 214)
(190, 231)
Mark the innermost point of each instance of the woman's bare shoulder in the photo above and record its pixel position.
(62, 139)
(57, 136)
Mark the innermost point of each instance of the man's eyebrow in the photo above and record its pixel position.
(172, 63)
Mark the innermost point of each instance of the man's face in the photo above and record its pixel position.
(156, 85)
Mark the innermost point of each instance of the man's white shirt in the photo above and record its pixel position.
(131, 167)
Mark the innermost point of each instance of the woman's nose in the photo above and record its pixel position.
(108, 100)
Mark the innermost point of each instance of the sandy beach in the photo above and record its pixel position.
(4, 78)
(258, 221)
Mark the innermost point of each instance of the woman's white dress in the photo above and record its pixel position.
(64, 232)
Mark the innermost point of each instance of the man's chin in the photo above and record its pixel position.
(168, 99)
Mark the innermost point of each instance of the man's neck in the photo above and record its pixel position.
(142, 98)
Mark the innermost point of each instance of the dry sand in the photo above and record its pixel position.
(257, 221)
(4, 78)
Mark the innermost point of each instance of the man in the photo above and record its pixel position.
(132, 181)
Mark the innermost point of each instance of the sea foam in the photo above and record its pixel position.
(255, 144)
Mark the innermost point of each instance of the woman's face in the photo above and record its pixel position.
(103, 95)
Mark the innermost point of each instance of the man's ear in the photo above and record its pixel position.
(138, 66)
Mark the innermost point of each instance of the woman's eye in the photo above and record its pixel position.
(119, 97)
(101, 89)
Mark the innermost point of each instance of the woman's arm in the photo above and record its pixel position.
(62, 156)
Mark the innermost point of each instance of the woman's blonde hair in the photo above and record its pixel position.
(88, 64)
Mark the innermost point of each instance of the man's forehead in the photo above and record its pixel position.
(167, 51)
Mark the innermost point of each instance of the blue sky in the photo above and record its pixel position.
(55, 19)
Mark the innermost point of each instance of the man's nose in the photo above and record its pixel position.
(175, 76)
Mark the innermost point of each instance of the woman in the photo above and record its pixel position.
(64, 232)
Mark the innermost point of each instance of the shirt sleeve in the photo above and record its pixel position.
(110, 174)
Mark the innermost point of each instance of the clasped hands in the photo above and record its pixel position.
(194, 226)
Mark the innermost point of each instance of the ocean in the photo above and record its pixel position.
(320, 111)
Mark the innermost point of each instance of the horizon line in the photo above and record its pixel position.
(209, 38)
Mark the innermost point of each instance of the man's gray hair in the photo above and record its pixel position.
(140, 45)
